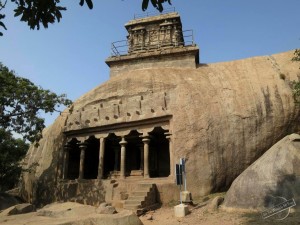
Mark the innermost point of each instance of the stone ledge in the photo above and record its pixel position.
(177, 57)
(192, 49)
(152, 18)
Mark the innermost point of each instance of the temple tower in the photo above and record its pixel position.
(153, 42)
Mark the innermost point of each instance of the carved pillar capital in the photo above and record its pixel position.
(82, 145)
(123, 142)
(67, 147)
(168, 135)
(146, 139)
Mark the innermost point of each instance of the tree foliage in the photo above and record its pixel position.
(36, 12)
(296, 55)
(158, 4)
(296, 84)
(11, 153)
(21, 102)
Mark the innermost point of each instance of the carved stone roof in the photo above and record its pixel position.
(154, 41)
(150, 20)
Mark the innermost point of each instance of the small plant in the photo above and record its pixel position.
(295, 85)
(296, 56)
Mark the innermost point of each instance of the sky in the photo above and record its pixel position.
(69, 57)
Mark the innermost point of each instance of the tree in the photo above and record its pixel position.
(11, 153)
(21, 102)
(36, 12)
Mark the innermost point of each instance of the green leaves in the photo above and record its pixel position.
(296, 55)
(158, 4)
(88, 2)
(38, 12)
(21, 102)
(2, 25)
(145, 4)
(295, 85)
(2, 16)
(11, 152)
(44, 12)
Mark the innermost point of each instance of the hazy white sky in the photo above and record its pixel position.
(69, 56)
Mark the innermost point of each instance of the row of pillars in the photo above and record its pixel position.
(123, 142)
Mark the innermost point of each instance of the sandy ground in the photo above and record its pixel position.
(201, 213)
(165, 216)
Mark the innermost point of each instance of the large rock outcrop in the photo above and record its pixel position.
(274, 176)
(224, 116)
(70, 213)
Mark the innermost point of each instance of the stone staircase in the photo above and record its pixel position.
(142, 199)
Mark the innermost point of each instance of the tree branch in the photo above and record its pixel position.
(2, 6)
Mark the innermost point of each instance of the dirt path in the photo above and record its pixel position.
(201, 216)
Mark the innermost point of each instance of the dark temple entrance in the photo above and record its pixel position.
(74, 158)
(134, 151)
(111, 155)
(159, 156)
(91, 160)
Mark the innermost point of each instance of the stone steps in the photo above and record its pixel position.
(136, 198)
(133, 207)
(139, 193)
(142, 198)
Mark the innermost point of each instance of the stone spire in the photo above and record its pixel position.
(156, 41)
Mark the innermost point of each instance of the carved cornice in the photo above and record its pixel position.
(142, 126)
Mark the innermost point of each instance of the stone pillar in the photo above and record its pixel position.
(123, 157)
(82, 147)
(146, 141)
(67, 149)
(101, 158)
(168, 136)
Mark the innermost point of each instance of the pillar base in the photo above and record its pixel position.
(186, 197)
(181, 210)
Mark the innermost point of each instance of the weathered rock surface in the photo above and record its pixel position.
(18, 209)
(224, 116)
(274, 175)
(70, 213)
(215, 203)
(7, 201)
(104, 208)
